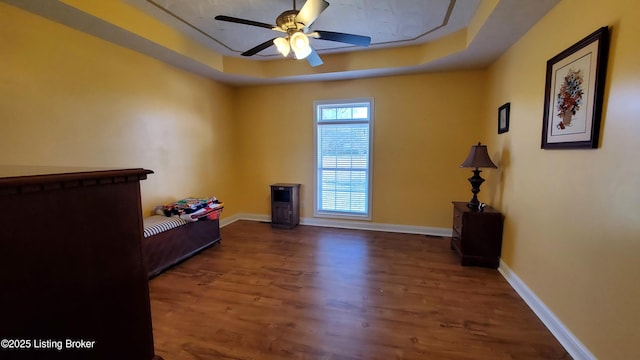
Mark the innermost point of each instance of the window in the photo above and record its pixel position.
(343, 133)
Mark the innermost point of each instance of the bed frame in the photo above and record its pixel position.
(168, 248)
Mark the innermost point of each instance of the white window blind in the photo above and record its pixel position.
(343, 149)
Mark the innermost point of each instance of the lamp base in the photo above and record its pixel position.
(476, 180)
(473, 205)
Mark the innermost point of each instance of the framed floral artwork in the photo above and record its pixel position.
(503, 118)
(574, 90)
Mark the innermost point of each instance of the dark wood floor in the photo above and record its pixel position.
(324, 293)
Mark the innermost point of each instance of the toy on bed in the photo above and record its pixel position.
(178, 231)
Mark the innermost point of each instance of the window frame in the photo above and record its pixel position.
(317, 106)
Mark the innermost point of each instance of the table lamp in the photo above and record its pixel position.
(478, 158)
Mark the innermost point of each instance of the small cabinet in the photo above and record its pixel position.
(477, 235)
(285, 205)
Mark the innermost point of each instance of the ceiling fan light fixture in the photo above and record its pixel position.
(295, 24)
(300, 45)
(282, 44)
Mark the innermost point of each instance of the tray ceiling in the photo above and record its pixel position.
(389, 23)
(407, 36)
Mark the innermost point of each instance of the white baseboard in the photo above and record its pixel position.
(346, 224)
(573, 346)
(244, 216)
(366, 225)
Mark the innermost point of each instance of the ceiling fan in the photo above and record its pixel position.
(296, 25)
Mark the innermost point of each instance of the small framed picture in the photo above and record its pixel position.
(503, 118)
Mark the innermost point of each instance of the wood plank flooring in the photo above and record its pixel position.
(338, 294)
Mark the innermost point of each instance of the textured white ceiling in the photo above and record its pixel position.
(387, 22)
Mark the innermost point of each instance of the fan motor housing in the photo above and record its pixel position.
(287, 21)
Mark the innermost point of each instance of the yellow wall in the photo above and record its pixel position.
(572, 230)
(71, 99)
(424, 126)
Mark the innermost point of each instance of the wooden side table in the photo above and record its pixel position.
(477, 235)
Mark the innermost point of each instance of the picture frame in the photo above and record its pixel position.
(574, 89)
(503, 118)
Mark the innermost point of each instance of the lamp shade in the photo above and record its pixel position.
(300, 45)
(282, 45)
(478, 158)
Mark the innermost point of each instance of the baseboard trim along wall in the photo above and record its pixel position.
(244, 216)
(573, 346)
(347, 224)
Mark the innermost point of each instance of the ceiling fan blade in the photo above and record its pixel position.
(310, 11)
(314, 59)
(352, 39)
(244, 21)
(258, 48)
